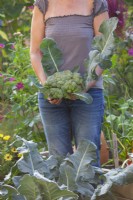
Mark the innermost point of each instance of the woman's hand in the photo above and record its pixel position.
(54, 101)
(73, 97)
(98, 72)
(90, 85)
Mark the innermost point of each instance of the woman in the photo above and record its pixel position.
(72, 24)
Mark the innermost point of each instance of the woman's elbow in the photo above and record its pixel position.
(35, 54)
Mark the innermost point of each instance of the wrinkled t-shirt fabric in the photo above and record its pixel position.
(73, 35)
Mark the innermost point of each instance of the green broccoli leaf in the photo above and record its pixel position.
(39, 187)
(87, 98)
(52, 56)
(104, 43)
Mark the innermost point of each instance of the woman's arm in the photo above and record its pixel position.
(97, 22)
(37, 35)
(96, 25)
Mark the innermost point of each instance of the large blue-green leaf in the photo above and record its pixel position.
(31, 159)
(16, 180)
(38, 187)
(87, 98)
(85, 188)
(53, 166)
(52, 56)
(12, 192)
(82, 159)
(105, 63)
(28, 188)
(76, 171)
(102, 49)
(104, 43)
(3, 192)
(124, 176)
(113, 179)
(17, 197)
(91, 62)
(67, 176)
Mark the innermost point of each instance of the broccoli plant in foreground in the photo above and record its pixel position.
(57, 178)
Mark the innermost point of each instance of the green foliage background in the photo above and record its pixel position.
(19, 108)
(14, 16)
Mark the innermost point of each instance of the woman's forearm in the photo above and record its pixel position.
(99, 70)
(92, 83)
(37, 66)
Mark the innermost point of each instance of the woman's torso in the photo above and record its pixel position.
(73, 34)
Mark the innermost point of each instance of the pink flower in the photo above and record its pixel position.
(118, 8)
(20, 86)
(1, 117)
(1, 75)
(30, 7)
(2, 46)
(11, 79)
(130, 52)
(12, 46)
(5, 78)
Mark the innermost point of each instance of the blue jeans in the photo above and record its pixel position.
(72, 116)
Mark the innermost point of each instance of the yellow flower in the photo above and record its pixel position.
(1, 135)
(7, 137)
(13, 149)
(8, 157)
(20, 155)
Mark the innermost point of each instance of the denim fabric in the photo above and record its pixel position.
(83, 120)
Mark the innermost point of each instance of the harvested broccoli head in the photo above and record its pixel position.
(63, 84)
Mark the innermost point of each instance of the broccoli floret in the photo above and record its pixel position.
(62, 84)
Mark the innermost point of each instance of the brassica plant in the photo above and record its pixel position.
(57, 178)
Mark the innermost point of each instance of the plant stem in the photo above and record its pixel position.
(53, 59)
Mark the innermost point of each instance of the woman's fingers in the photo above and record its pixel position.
(54, 101)
(58, 101)
(73, 97)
